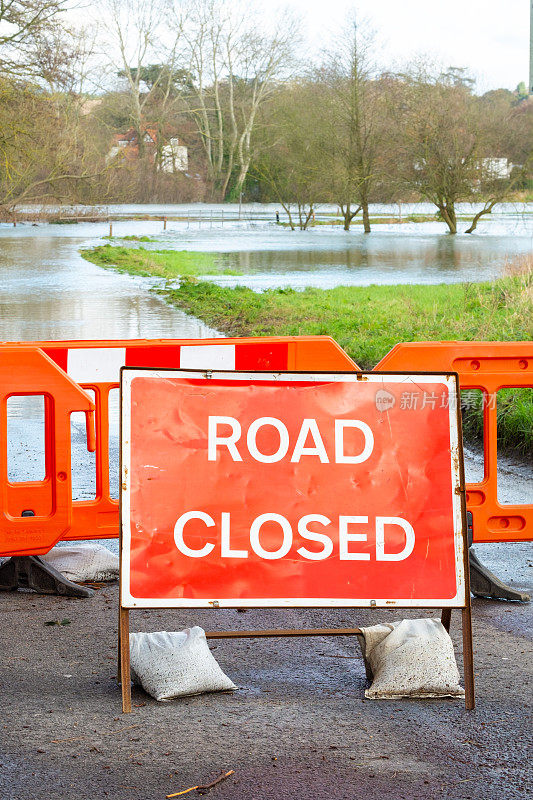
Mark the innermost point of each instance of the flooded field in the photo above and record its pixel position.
(48, 291)
(268, 255)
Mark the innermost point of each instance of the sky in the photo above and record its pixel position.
(489, 37)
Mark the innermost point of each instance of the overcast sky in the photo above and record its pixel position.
(489, 37)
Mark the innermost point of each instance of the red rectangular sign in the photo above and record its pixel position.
(290, 489)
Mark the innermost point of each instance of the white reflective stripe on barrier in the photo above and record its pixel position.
(95, 364)
(211, 356)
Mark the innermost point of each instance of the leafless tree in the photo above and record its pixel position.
(133, 42)
(62, 59)
(20, 22)
(446, 142)
(295, 148)
(353, 110)
(234, 68)
(42, 154)
(44, 151)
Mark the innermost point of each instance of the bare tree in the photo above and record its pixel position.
(293, 158)
(353, 110)
(447, 142)
(20, 22)
(39, 155)
(44, 149)
(133, 42)
(234, 69)
(62, 59)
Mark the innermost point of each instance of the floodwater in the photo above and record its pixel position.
(267, 255)
(48, 291)
(271, 256)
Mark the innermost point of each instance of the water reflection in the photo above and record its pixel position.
(379, 258)
(269, 256)
(47, 291)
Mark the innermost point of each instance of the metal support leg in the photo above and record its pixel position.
(483, 583)
(31, 572)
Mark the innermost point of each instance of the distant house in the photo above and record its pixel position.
(173, 156)
(496, 168)
(127, 144)
(487, 169)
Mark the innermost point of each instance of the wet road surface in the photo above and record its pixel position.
(298, 727)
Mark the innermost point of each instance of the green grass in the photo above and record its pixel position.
(366, 321)
(514, 411)
(158, 263)
(131, 238)
(515, 417)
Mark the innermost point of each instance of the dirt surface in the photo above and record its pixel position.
(299, 726)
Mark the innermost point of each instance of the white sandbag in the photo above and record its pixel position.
(411, 658)
(84, 562)
(175, 664)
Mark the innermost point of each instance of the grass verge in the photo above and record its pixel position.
(157, 263)
(131, 238)
(367, 321)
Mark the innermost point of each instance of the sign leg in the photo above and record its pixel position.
(446, 618)
(119, 638)
(124, 659)
(468, 657)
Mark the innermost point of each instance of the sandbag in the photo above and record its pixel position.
(411, 658)
(84, 562)
(175, 664)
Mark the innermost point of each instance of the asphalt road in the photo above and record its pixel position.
(298, 727)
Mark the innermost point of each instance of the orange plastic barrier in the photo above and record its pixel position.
(61, 370)
(488, 366)
(29, 371)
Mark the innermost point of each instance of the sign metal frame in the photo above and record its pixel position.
(460, 601)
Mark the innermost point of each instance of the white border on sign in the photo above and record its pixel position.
(418, 380)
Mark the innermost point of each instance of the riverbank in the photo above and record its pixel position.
(157, 263)
(366, 321)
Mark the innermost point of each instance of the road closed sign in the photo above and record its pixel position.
(290, 489)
